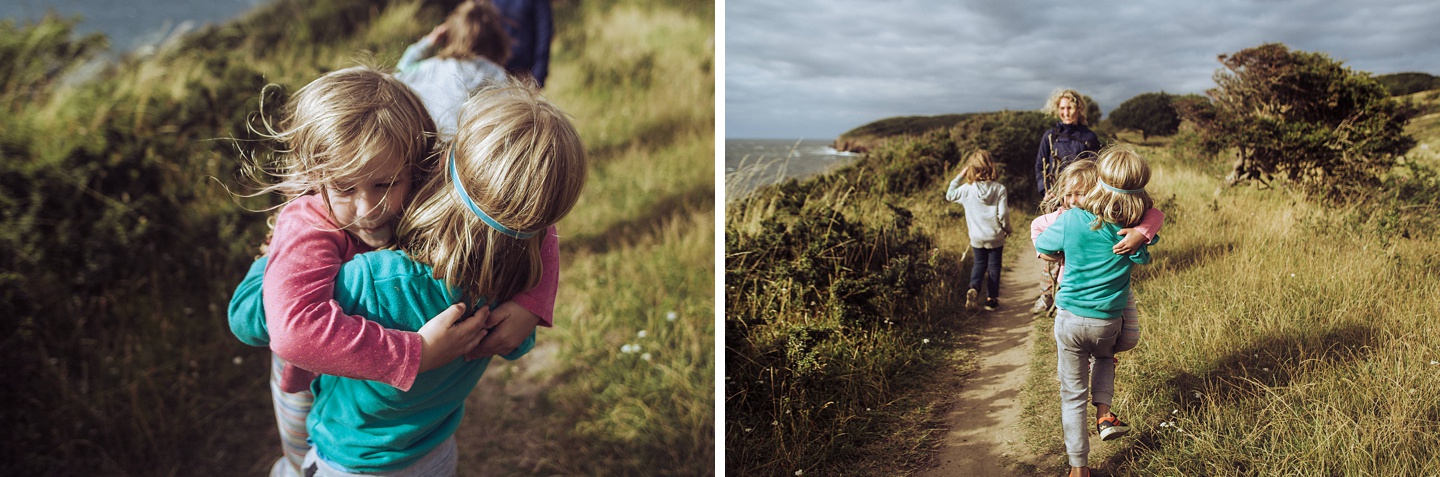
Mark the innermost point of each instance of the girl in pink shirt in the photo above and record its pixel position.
(1073, 184)
(356, 142)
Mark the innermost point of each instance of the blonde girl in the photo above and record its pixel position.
(1073, 185)
(474, 234)
(1093, 293)
(355, 143)
(988, 222)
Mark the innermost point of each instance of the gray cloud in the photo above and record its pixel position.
(814, 68)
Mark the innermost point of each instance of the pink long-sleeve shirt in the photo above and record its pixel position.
(310, 331)
(1149, 226)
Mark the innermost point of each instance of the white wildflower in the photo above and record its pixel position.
(670, 316)
(641, 334)
(925, 341)
(645, 356)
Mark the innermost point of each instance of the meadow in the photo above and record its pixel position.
(123, 241)
(1281, 334)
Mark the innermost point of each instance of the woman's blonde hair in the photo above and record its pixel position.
(475, 28)
(521, 162)
(980, 166)
(1119, 196)
(1052, 104)
(333, 126)
(1078, 176)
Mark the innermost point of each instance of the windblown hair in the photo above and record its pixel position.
(522, 163)
(1052, 105)
(1079, 176)
(980, 166)
(333, 126)
(1120, 167)
(475, 29)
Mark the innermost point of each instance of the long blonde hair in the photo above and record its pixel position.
(333, 126)
(1052, 104)
(474, 29)
(1119, 167)
(521, 162)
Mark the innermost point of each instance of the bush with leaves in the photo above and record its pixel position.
(1303, 116)
(1153, 114)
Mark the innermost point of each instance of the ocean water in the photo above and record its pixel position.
(130, 25)
(751, 163)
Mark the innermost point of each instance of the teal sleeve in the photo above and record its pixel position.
(247, 308)
(521, 350)
(1052, 240)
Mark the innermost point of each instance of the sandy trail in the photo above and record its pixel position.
(984, 436)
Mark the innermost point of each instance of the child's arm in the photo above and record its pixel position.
(1002, 211)
(1050, 243)
(308, 328)
(1148, 228)
(1043, 222)
(420, 50)
(954, 193)
(515, 320)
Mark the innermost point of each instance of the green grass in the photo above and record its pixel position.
(123, 245)
(1278, 338)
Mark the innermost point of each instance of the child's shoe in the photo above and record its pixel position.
(992, 303)
(1042, 304)
(1110, 427)
(972, 299)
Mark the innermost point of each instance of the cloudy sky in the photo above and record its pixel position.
(817, 68)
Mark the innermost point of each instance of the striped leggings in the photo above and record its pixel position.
(291, 409)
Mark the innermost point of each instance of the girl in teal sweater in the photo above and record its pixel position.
(1093, 292)
(473, 235)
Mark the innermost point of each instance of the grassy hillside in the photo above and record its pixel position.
(122, 246)
(1278, 337)
(867, 136)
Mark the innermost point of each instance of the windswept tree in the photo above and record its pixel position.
(1301, 116)
(1153, 114)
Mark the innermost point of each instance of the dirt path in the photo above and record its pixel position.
(984, 437)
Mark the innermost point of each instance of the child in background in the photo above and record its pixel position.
(356, 140)
(988, 222)
(1093, 293)
(1072, 186)
(459, 56)
(473, 232)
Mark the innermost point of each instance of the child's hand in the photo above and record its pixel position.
(1132, 242)
(437, 34)
(510, 325)
(443, 339)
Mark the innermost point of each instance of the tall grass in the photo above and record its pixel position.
(1279, 338)
(122, 247)
(845, 333)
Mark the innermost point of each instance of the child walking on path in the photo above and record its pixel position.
(1092, 295)
(472, 235)
(458, 57)
(1072, 186)
(987, 219)
(356, 142)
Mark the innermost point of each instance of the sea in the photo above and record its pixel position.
(130, 25)
(751, 163)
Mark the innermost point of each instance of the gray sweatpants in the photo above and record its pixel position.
(1086, 367)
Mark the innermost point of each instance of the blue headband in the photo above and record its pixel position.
(465, 197)
(1119, 190)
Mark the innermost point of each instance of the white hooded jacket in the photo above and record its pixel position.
(986, 214)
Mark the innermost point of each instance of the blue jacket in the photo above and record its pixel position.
(530, 26)
(1060, 146)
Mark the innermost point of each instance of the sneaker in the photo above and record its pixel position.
(992, 303)
(1042, 304)
(1110, 427)
(972, 299)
